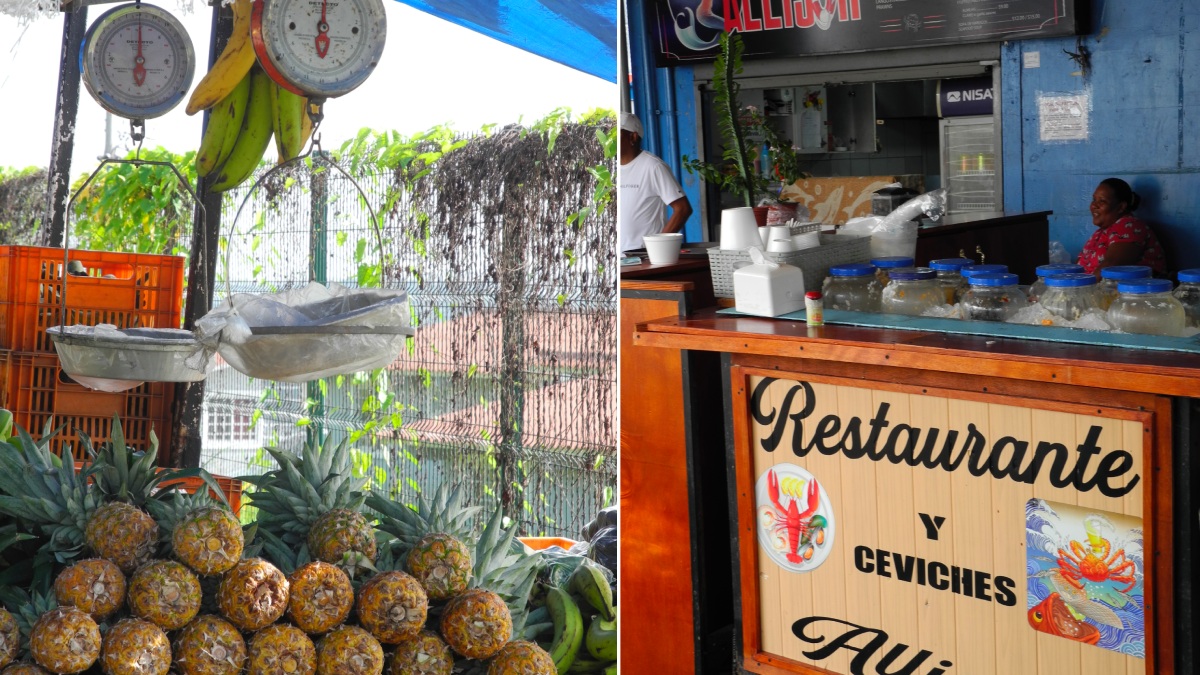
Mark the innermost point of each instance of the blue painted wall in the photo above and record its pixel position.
(1144, 122)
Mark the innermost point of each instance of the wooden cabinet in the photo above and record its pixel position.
(1019, 240)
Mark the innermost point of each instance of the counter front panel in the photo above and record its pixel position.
(901, 528)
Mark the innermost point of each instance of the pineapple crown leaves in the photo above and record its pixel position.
(504, 569)
(291, 498)
(45, 493)
(124, 475)
(443, 513)
(281, 555)
(169, 512)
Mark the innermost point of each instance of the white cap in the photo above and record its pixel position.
(630, 122)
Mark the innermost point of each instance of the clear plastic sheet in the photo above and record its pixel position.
(316, 331)
(108, 359)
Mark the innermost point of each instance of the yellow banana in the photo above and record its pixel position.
(568, 628)
(253, 139)
(224, 125)
(287, 111)
(230, 67)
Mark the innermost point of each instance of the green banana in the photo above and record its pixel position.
(588, 666)
(611, 670)
(568, 628)
(601, 639)
(224, 125)
(286, 112)
(533, 630)
(589, 583)
(253, 139)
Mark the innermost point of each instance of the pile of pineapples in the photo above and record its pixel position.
(111, 567)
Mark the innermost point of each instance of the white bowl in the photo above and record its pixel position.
(663, 249)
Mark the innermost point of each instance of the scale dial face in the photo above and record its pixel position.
(137, 61)
(319, 48)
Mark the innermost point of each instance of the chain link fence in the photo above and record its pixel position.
(508, 387)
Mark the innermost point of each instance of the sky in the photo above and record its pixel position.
(432, 72)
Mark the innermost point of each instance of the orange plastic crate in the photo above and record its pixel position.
(144, 291)
(36, 389)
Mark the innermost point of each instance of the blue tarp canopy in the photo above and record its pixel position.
(581, 34)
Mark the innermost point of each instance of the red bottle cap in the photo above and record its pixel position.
(813, 295)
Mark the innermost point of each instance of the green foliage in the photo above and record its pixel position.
(140, 209)
(736, 171)
(22, 203)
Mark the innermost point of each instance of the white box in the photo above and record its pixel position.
(764, 290)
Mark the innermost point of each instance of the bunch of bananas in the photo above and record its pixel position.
(247, 109)
(584, 621)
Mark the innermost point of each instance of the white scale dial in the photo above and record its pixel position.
(319, 48)
(137, 61)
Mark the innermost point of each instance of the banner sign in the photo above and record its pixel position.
(931, 535)
(689, 30)
(965, 96)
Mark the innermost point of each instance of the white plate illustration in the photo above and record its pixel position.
(802, 544)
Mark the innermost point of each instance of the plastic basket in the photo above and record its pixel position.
(835, 249)
(36, 389)
(141, 291)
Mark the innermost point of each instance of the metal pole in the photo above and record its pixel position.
(206, 232)
(318, 258)
(66, 112)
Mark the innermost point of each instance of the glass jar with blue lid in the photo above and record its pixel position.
(1111, 276)
(852, 287)
(953, 283)
(1043, 271)
(1069, 296)
(971, 270)
(887, 263)
(1188, 294)
(993, 297)
(912, 291)
(1147, 306)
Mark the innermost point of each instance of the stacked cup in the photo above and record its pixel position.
(739, 229)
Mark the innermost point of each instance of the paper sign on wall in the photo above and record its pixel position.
(1063, 118)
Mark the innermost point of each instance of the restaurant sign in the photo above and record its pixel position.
(689, 30)
(927, 533)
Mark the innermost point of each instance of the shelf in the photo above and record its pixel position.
(974, 174)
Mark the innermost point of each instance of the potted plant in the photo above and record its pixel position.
(741, 132)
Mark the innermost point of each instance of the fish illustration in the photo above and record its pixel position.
(1053, 617)
(1082, 603)
(685, 31)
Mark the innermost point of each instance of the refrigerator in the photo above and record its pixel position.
(970, 164)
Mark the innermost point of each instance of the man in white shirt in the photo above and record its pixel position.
(646, 184)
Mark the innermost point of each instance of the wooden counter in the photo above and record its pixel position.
(790, 392)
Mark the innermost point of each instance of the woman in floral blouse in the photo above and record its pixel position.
(1120, 238)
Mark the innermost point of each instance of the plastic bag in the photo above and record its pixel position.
(105, 358)
(932, 204)
(301, 355)
(1058, 253)
(603, 549)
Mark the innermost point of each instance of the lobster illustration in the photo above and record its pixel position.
(802, 527)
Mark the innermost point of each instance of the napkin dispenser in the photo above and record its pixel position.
(766, 288)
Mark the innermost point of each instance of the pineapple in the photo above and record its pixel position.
(340, 533)
(349, 650)
(165, 593)
(521, 657)
(319, 597)
(122, 533)
(314, 498)
(135, 647)
(392, 606)
(65, 640)
(96, 586)
(10, 638)
(477, 623)
(24, 669)
(253, 595)
(442, 564)
(425, 654)
(208, 540)
(209, 646)
(281, 650)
